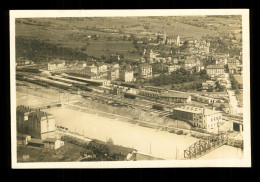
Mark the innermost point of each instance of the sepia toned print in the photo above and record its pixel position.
(155, 88)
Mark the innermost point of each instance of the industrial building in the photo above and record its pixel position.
(199, 117)
(22, 113)
(41, 125)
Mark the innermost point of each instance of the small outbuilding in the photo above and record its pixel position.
(52, 143)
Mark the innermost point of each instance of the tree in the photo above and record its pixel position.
(103, 57)
(121, 56)
(110, 141)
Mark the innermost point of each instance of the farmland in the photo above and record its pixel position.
(77, 33)
(99, 48)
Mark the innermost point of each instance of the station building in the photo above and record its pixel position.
(200, 117)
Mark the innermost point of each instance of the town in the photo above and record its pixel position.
(190, 88)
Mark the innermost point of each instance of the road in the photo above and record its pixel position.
(233, 102)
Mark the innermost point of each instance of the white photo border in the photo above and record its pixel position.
(245, 162)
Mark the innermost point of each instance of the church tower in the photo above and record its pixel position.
(164, 36)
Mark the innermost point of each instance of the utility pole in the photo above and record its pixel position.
(176, 153)
(218, 127)
(150, 147)
(113, 102)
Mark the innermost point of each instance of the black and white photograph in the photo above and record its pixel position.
(130, 88)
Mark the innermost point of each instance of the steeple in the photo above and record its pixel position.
(164, 36)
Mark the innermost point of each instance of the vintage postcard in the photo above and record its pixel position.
(130, 88)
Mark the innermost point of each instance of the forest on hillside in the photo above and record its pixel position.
(40, 51)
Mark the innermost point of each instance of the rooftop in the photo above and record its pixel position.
(39, 114)
(197, 110)
(23, 108)
(36, 141)
(215, 67)
(53, 140)
(116, 149)
(175, 94)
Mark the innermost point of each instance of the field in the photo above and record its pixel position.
(67, 153)
(106, 48)
(74, 32)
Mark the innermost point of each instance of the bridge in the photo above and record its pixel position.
(208, 144)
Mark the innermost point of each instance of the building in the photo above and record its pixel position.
(41, 125)
(113, 74)
(56, 65)
(171, 68)
(199, 117)
(189, 63)
(214, 70)
(173, 40)
(91, 69)
(120, 153)
(82, 64)
(203, 99)
(145, 70)
(52, 143)
(23, 138)
(22, 113)
(35, 142)
(165, 95)
(115, 57)
(126, 73)
(233, 61)
(175, 96)
(150, 56)
(232, 69)
(101, 68)
(209, 84)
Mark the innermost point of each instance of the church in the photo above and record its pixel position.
(170, 40)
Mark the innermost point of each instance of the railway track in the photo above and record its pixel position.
(119, 100)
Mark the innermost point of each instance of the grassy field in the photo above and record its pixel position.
(68, 152)
(106, 48)
(73, 32)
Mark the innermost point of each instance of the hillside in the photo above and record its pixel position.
(78, 33)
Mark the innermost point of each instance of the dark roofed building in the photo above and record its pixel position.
(36, 142)
(121, 153)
